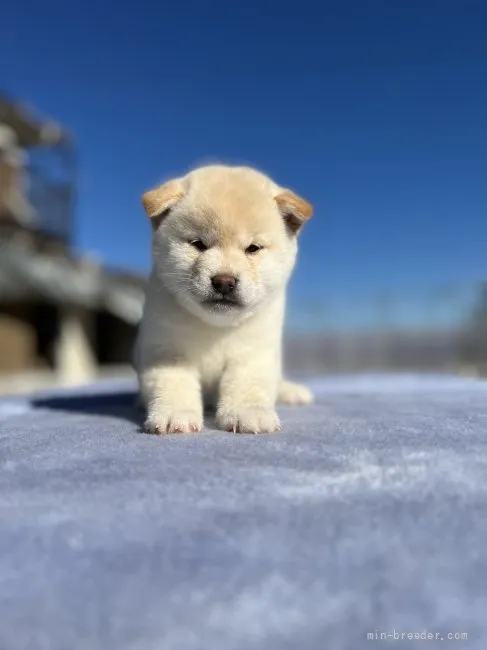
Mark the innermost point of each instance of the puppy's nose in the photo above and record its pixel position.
(224, 284)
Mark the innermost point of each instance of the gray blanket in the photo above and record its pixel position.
(365, 517)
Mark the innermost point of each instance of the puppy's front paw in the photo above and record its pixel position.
(163, 422)
(250, 419)
(294, 394)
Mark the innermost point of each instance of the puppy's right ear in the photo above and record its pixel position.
(158, 201)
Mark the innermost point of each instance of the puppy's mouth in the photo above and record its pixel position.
(222, 303)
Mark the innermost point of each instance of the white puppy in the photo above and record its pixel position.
(224, 246)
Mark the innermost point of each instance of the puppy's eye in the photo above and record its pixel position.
(199, 245)
(252, 249)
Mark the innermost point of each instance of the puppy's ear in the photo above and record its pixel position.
(294, 209)
(157, 202)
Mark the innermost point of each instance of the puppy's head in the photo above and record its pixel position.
(224, 240)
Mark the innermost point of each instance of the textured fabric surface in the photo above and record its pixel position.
(367, 514)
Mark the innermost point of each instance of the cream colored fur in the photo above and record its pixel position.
(191, 353)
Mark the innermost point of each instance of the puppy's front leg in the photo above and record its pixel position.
(248, 392)
(173, 397)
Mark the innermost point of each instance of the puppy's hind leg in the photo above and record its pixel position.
(293, 394)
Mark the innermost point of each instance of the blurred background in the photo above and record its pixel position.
(374, 111)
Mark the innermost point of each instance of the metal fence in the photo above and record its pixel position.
(52, 178)
(440, 329)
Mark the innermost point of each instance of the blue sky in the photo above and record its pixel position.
(374, 110)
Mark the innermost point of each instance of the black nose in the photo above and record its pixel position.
(224, 284)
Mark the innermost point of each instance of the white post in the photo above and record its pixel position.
(75, 357)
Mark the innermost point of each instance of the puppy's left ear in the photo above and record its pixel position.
(294, 209)
(158, 201)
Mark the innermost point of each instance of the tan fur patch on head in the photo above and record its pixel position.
(232, 202)
(235, 201)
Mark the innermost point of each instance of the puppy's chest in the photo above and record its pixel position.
(211, 365)
(210, 349)
(212, 357)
